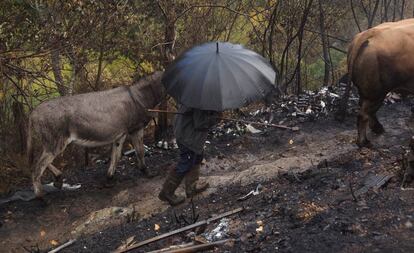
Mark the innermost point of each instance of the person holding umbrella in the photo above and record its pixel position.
(205, 81)
(191, 129)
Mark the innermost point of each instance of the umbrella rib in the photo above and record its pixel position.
(237, 83)
(180, 72)
(205, 77)
(262, 63)
(252, 81)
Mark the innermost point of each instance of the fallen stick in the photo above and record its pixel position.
(262, 124)
(200, 247)
(237, 120)
(172, 247)
(65, 245)
(180, 230)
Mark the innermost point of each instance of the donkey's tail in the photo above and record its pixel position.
(29, 144)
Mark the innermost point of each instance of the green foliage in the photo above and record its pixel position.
(50, 48)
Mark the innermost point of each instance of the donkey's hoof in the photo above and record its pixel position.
(58, 183)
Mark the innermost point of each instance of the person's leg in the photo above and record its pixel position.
(176, 175)
(192, 184)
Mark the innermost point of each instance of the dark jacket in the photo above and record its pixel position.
(191, 127)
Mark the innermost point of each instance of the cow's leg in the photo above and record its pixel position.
(116, 154)
(39, 168)
(374, 124)
(58, 176)
(367, 110)
(137, 139)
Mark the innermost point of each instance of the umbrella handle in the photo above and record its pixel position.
(163, 111)
(236, 120)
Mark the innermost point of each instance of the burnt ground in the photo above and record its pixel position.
(306, 204)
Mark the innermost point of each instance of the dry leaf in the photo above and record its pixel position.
(54, 242)
(291, 142)
(156, 227)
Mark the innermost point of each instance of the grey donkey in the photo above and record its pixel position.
(91, 120)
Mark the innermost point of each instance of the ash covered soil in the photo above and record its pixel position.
(315, 197)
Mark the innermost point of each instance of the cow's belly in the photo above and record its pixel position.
(406, 87)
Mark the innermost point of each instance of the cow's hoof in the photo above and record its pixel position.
(378, 130)
(149, 173)
(340, 116)
(110, 182)
(58, 183)
(364, 144)
(407, 179)
(41, 201)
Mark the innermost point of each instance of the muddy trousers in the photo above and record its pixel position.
(188, 160)
(188, 168)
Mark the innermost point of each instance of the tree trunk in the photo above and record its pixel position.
(57, 72)
(100, 59)
(299, 51)
(402, 9)
(394, 14)
(169, 14)
(372, 15)
(355, 16)
(20, 125)
(325, 46)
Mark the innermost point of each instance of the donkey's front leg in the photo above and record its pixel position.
(116, 154)
(137, 139)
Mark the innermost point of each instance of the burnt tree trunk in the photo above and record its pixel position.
(325, 44)
(402, 9)
(57, 71)
(355, 16)
(20, 125)
(100, 58)
(371, 16)
(169, 14)
(301, 33)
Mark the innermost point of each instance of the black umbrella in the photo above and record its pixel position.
(218, 76)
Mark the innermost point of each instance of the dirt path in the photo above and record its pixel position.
(240, 161)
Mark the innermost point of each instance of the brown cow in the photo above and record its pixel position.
(380, 60)
(91, 120)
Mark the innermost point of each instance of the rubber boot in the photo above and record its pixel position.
(192, 185)
(171, 183)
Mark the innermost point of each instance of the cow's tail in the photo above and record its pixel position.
(354, 51)
(29, 143)
(356, 48)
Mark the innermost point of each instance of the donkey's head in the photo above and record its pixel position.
(152, 89)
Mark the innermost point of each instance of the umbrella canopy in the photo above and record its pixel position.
(218, 76)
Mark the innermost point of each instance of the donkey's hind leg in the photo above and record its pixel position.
(39, 168)
(50, 151)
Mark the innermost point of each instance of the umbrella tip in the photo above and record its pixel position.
(217, 45)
